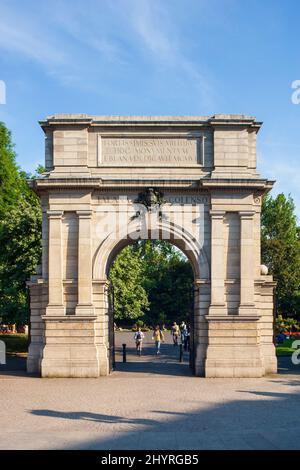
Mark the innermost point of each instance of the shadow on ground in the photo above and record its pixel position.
(258, 419)
(286, 367)
(270, 422)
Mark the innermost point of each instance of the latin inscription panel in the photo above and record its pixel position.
(149, 150)
(176, 199)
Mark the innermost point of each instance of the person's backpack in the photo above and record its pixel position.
(138, 335)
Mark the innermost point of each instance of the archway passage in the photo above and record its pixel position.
(151, 285)
(155, 230)
(110, 181)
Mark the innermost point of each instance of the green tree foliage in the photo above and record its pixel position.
(20, 235)
(168, 281)
(130, 298)
(165, 279)
(281, 250)
(9, 173)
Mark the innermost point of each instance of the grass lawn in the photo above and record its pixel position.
(17, 343)
(285, 349)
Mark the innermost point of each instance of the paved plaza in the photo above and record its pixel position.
(150, 403)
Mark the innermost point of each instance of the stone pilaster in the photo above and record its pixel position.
(55, 264)
(199, 341)
(85, 302)
(247, 302)
(217, 303)
(104, 325)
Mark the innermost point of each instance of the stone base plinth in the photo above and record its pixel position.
(232, 367)
(103, 360)
(69, 367)
(270, 359)
(233, 347)
(200, 355)
(84, 310)
(34, 358)
(70, 349)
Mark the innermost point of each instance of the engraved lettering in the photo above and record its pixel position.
(156, 150)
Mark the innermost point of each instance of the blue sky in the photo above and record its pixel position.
(170, 57)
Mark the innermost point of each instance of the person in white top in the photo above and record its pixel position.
(138, 337)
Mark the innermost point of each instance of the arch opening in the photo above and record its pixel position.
(175, 235)
(151, 283)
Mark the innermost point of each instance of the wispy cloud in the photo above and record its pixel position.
(21, 35)
(76, 45)
(151, 22)
(158, 35)
(87, 26)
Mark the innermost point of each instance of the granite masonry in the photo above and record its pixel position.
(111, 180)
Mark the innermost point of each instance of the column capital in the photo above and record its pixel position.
(246, 214)
(55, 214)
(84, 214)
(217, 214)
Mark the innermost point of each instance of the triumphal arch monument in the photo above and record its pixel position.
(112, 180)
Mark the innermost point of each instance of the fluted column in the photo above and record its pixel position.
(55, 264)
(217, 304)
(85, 302)
(247, 301)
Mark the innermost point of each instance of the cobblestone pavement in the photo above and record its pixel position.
(150, 403)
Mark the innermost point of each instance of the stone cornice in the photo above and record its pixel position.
(70, 318)
(41, 184)
(232, 318)
(253, 183)
(152, 121)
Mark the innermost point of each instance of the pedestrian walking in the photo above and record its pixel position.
(158, 338)
(175, 333)
(186, 338)
(183, 329)
(139, 337)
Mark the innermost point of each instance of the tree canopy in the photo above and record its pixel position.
(131, 300)
(20, 234)
(159, 279)
(280, 244)
(10, 180)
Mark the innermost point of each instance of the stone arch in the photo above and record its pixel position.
(128, 234)
(176, 235)
(184, 165)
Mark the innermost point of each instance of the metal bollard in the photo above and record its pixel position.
(124, 352)
(180, 352)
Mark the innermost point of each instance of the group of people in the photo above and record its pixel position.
(182, 332)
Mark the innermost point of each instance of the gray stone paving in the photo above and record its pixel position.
(150, 403)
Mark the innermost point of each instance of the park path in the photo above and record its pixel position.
(150, 403)
(167, 363)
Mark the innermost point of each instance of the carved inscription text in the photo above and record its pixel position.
(152, 150)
